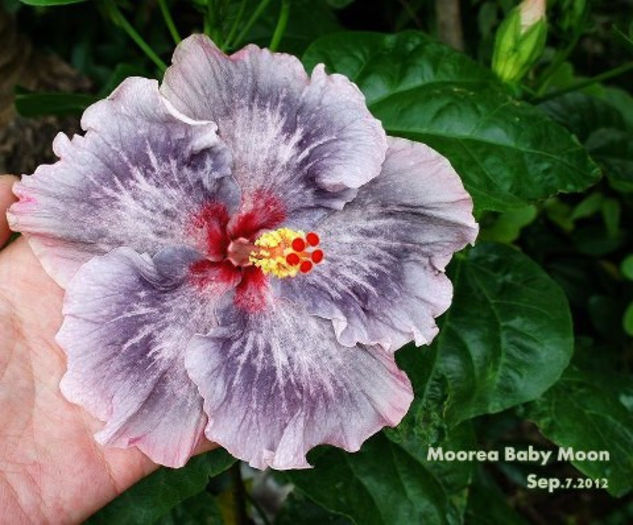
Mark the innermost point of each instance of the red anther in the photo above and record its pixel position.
(305, 267)
(313, 239)
(317, 256)
(292, 259)
(298, 245)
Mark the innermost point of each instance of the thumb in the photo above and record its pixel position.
(6, 199)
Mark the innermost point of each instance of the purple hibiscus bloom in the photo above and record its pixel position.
(243, 250)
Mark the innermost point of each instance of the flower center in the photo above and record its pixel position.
(282, 252)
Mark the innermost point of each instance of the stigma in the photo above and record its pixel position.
(286, 253)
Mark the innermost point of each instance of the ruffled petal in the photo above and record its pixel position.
(127, 321)
(277, 383)
(136, 179)
(382, 279)
(309, 141)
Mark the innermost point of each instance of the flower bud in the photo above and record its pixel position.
(520, 41)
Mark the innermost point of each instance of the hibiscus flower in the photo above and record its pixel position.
(243, 250)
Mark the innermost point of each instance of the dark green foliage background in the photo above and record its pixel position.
(536, 348)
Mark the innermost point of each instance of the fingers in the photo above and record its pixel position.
(6, 199)
(204, 446)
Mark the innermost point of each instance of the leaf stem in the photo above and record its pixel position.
(169, 21)
(410, 13)
(239, 494)
(119, 19)
(624, 68)
(210, 22)
(236, 23)
(253, 18)
(280, 29)
(561, 56)
(258, 508)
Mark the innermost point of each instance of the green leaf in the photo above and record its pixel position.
(507, 152)
(309, 19)
(583, 114)
(560, 213)
(299, 509)
(565, 76)
(508, 225)
(627, 320)
(602, 127)
(39, 104)
(591, 240)
(621, 99)
(51, 2)
(157, 494)
(613, 149)
(611, 211)
(382, 484)
(199, 509)
(425, 425)
(624, 39)
(626, 267)
(118, 75)
(584, 411)
(488, 505)
(587, 207)
(605, 313)
(487, 19)
(507, 337)
(339, 4)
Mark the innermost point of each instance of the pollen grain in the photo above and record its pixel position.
(285, 252)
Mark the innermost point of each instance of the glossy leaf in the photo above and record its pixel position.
(625, 40)
(584, 411)
(487, 504)
(507, 337)
(613, 148)
(619, 98)
(508, 153)
(626, 267)
(160, 492)
(382, 484)
(299, 509)
(602, 127)
(507, 227)
(425, 426)
(118, 75)
(309, 19)
(611, 212)
(583, 114)
(201, 508)
(627, 319)
(589, 206)
(40, 104)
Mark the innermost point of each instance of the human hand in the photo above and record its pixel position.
(51, 468)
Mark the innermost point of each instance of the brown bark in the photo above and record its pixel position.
(449, 23)
(26, 142)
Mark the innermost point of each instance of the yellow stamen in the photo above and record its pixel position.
(285, 252)
(274, 246)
